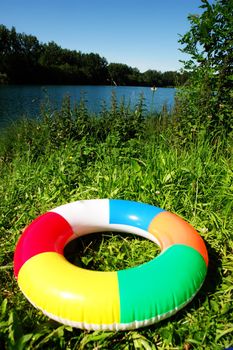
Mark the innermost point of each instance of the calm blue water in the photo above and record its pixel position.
(17, 101)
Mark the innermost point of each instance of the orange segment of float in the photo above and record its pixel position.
(170, 229)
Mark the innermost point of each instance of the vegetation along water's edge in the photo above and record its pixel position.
(180, 161)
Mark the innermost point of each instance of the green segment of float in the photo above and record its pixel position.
(161, 286)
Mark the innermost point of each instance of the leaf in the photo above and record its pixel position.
(15, 329)
(214, 305)
(3, 308)
(21, 344)
(140, 342)
(223, 333)
(93, 337)
(86, 260)
(168, 177)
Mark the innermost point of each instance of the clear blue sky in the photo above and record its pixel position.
(140, 33)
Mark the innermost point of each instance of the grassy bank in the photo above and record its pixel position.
(70, 155)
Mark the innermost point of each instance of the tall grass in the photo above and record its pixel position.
(70, 155)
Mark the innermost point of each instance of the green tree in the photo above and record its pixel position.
(121, 74)
(95, 69)
(209, 42)
(4, 40)
(152, 78)
(51, 55)
(19, 55)
(170, 78)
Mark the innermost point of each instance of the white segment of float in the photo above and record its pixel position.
(86, 216)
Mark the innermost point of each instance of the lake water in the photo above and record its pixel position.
(26, 100)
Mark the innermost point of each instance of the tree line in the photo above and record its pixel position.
(25, 60)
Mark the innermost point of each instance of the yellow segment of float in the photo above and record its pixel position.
(70, 292)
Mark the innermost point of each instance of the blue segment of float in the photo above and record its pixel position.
(132, 213)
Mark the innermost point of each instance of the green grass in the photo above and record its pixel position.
(46, 164)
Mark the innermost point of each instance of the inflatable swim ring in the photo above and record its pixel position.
(117, 300)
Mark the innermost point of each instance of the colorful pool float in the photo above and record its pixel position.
(118, 300)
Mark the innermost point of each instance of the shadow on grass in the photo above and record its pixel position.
(110, 251)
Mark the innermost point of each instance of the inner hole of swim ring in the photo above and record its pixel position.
(109, 251)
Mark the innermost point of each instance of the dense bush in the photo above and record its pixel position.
(207, 100)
